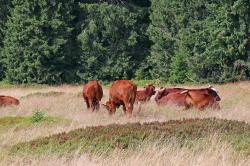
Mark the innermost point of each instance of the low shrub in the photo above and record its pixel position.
(46, 94)
(37, 116)
(105, 138)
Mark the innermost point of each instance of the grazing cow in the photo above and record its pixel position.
(145, 94)
(8, 100)
(195, 98)
(92, 94)
(122, 92)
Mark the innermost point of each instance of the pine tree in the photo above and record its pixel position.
(37, 42)
(112, 41)
(4, 13)
(202, 41)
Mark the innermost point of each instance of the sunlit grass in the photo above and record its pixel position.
(69, 104)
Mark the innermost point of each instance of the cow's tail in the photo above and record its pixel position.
(95, 98)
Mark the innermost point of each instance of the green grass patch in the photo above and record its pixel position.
(130, 136)
(44, 94)
(6, 84)
(23, 122)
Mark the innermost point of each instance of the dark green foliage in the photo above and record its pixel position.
(60, 41)
(23, 122)
(37, 42)
(112, 41)
(129, 136)
(4, 13)
(201, 41)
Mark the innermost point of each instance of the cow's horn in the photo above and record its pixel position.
(185, 91)
(215, 90)
(209, 86)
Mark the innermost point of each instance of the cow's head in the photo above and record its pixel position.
(150, 89)
(214, 93)
(160, 93)
(109, 107)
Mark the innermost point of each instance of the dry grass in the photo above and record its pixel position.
(211, 153)
(235, 105)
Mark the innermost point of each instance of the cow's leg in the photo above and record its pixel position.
(97, 105)
(200, 107)
(113, 108)
(139, 108)
(124, 108)
(94, 102)
(91, 104)
(186, 107)
(87, 102)
(129, 108)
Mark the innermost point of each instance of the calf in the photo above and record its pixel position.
(145, 94)
(92, 94)
(8, 100)
(122, 92)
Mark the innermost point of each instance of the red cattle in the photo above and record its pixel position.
(195, 98)
(122, 92)
(202, 98)
(92, 94)
(145, 94)
(8, 100)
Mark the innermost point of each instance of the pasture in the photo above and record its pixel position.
(67, 134)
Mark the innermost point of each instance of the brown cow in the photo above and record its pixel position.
(202, 98)
(195, 98)
(8, 100)
(145, 94)
(122, 92)
(92, 94)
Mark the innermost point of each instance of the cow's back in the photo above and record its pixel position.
(93, 89)
(167, 91)
(123, 90)
(173, 98)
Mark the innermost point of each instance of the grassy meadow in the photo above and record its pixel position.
(51, 126)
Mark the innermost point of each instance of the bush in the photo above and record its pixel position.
(185, 132)
(37, 116)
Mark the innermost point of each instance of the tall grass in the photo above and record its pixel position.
(209, 153)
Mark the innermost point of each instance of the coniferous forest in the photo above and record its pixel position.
(72, 41)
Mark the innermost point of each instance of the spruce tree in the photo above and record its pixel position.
(37, 42)
(4, 13)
